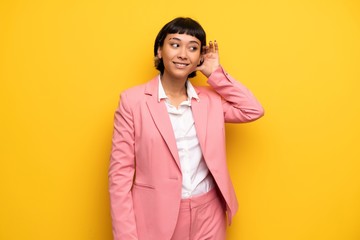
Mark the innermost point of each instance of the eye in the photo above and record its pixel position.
(193, 49)
(174, 45)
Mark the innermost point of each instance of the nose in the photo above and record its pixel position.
(182, 53)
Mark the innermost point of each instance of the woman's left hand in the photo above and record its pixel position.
(210, 57)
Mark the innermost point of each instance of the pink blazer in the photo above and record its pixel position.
(145, 179)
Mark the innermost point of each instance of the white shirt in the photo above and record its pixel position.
(196, 178)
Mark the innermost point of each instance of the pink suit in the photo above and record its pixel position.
(145, 179)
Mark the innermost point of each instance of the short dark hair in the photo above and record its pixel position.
(179, 25)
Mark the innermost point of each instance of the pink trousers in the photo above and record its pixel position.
(201, 218)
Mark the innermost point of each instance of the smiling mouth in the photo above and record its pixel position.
(181, 65)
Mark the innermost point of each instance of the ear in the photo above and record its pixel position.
(201, 61)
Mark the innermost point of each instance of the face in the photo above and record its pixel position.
(181, 55)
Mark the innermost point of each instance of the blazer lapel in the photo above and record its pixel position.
(199, 110)
(161, 118)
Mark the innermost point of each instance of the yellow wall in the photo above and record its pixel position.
(64, 63)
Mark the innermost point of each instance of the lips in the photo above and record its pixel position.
(181, 65)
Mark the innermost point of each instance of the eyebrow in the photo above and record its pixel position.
(178, 39)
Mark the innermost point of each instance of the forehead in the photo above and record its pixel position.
(182, 37)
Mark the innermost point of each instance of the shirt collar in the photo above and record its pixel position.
(191, 92)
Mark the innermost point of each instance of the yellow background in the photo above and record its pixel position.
(64, 63)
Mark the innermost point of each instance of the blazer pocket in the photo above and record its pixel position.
(143, 186)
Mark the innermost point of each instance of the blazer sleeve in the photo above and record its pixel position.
(121, 173)
(239, 104)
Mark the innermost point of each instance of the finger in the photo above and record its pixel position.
(204, 49)
(211, 46)
(216, 46)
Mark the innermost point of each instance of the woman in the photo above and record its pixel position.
(168, 175)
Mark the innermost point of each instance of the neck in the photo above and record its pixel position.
(172, 86)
